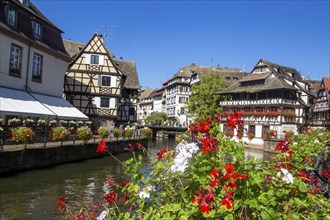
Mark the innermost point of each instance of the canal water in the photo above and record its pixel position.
(34, 194)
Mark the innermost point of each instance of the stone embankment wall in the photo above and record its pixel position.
(21, 160)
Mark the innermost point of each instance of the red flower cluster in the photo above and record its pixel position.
(94, 210)
(236, 122)
(228, 198)
(102, 147)
(60, 204)
(111, 197)
(205, 201)
(165, 152)
(109, 182)
(209, 144)
(201, 126)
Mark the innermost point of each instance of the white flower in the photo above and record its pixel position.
(183, 153)
(145, 192)
(316, 141)
(144, 195)
(286, 177)
(102, 215)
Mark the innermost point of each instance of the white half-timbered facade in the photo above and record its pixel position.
(272, 97)
(96, 83)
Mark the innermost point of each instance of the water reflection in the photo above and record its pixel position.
(34, 194)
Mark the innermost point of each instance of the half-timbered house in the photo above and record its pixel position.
(103, 88)
(321, 109)
(273, 97)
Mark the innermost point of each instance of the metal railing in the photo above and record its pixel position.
(42, 138)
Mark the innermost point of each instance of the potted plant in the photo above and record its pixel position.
(117, 132)
(103, 132)
(84, 133)
(59, 133)
(22, 134)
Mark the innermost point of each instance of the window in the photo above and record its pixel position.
(26, 3)
(95, 59)
(105, 103)
(105, 81)
(131, 111)
(15, 61)
(11, 16)
(37, 67)
(37, 29)
(252, 129)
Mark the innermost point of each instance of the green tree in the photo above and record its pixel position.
(202, 102)
(156, 116)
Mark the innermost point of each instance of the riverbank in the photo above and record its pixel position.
(15, 158)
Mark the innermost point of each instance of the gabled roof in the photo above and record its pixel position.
(275, 78)
(146, 93)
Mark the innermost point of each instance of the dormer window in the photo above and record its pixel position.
(25, 2)
(37, 29)
(11, 16)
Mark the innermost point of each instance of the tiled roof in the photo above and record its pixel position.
(129, 69)
(51, 34)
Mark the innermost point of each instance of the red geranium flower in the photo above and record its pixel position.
(110, 182)
(228, 199)
(102, 147)
(243, 176)
(60, 203)
(111, 197)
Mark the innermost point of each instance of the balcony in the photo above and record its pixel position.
(277, 101)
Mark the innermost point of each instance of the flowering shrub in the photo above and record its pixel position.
(22, 135)
(103, 132)
(52, 123)
(84, 133)
(42, 122)
(14, 121)
(59, 133)
(211, 178)
(27, 121)
(63, 122)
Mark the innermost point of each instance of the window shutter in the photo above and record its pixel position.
(87, 59)
(97, 101)
(112, 103)
(99, 80)
(113, 81)
(101, 60)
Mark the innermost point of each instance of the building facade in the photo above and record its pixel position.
(33, 62)
(101, 87)
(145, 104)
(321, 109)
(272, 97)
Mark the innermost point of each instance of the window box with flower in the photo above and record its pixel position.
(84, 133)
(103, 132)
(15, 121)
(59, 133)
(22, 135)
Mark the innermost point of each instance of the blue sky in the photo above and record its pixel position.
(163, 36)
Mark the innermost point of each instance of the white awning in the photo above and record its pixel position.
(60, 107)
(16, 102)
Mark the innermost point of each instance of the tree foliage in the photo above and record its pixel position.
(156, 116)
(202, 102)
